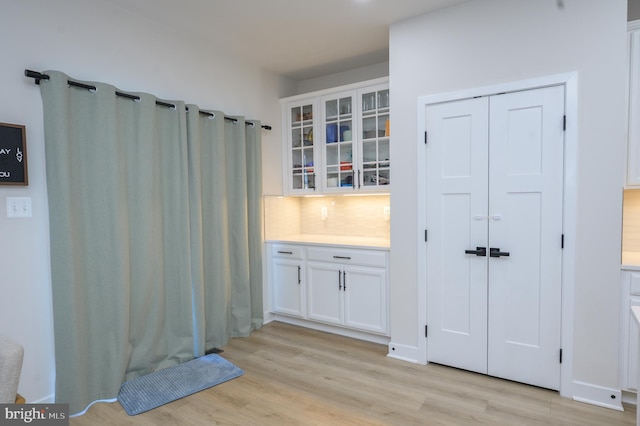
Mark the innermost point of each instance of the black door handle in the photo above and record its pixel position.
(479, 251)
(495, 252)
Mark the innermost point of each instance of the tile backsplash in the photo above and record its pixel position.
(354, 216)
(631, 221)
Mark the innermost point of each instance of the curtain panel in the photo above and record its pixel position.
(153, 233)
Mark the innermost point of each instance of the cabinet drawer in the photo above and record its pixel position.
(349, 257)
(287, 251)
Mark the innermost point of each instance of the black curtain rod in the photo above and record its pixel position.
(39, 76)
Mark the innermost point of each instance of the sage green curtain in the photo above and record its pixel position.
(225, 203)
(156, 234)
(120, 258)
(255, 219)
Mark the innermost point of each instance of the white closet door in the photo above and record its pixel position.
(457, 207)
(494, 182)
(525, 219)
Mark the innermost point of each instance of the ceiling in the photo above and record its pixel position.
(300, 39)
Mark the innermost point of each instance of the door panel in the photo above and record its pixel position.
(457, 220)
(525, 209)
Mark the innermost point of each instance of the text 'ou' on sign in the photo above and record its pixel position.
(13, 155)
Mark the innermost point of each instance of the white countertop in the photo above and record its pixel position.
(364, 242)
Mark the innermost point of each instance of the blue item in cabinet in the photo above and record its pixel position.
(332, 133)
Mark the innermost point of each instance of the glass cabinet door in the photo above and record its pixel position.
(375, 137)
(302, 147)
(338, 142)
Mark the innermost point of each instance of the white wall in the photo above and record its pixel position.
(489, 42)
(343, 78)
(93, 40)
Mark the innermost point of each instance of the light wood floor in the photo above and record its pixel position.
(296, 376)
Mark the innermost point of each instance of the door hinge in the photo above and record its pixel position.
(425, 235)
(426, 327)
(562, 241)
(560, 356)
(564, 122)
(425, 137)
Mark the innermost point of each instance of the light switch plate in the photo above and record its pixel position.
(18, 207)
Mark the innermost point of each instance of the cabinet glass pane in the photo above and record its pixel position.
(307, 158)
(345, 131)
(383, 126)
(383, 152)
(375, 138)
(331, 134)
(307, 112)
(373, 178)
(296, 158)
(296, 115)
(308, 136)
(383, 99)
(331, 108)
(369, 152)
(369, 128)
(345, 106)
(368, 102)
(296, 138)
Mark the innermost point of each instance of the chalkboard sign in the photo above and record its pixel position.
(13, 155)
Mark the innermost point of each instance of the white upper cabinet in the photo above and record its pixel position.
(339, 150)
(633, 152)
(374, 137)
(337, 140)
(301, 152)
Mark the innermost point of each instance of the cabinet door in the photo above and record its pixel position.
(634, 341)
(365, 298)
(630, 332)
(325, 292)
(374, 137)
(288, 293)
(301, 148)
(338, 127)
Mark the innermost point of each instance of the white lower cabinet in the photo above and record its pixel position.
(287, 280)
(352, 296)
(325, 300)
(343, 287)
(630, 334)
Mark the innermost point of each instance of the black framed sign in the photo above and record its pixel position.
(13, 155)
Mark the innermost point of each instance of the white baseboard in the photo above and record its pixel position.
(355, 334)
(403, 352)
(268, 317)
(597, 395)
